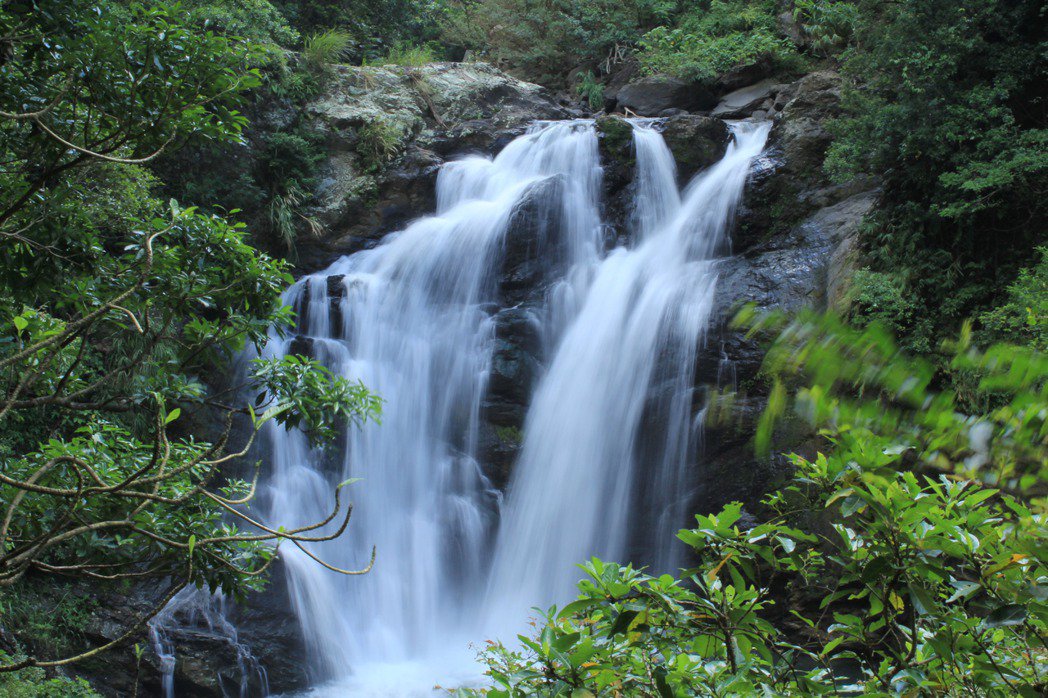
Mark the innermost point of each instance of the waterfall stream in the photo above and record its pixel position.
(609, 435)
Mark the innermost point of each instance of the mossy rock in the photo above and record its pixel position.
(695, 141)
(617, 156)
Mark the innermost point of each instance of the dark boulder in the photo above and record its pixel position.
(740, 76)
(650, 96)
(534, 245)
(623, 74)
(695, 141)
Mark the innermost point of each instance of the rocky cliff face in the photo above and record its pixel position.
(387, 130)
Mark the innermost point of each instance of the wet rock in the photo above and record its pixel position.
(535, 247)
(788, 271)
(696, 142)
(514, 373)
(787, 182)
(649, 96)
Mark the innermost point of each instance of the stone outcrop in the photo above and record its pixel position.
(745, 101)
(696, 142)
(653, 95)
(418, 116)
(795, 242)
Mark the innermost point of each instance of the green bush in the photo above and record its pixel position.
(591, 90)
(707, 42)
(33, 683)
(323, 50)
(542, 42)
(942, 99)
(1023, 318)
(904, 559)
(409, 55)
(379, 141)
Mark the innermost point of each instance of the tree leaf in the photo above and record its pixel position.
(1009, 614)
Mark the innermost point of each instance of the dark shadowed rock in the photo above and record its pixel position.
(749, 73)
(622, 75)
(786, 272)
(649, 96)
(788, 182)
(695, 141)
(515, 368)
(534, 244)
(801, 133)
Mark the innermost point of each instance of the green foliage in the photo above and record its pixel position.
(321, 51)
(41, 620)
(708, 41)
(828, 24)
(510, 434)
(888, 565)
(374, 26)
(543, 41)
(879, 297)
(379, 141)
(115, 308)
(1023, 318)
(591, 90)
(409, 55)
(33, 683)
(946, 101)
(255, 20)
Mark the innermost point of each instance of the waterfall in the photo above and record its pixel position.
(609, 433)
(608, 437)
(412, 319)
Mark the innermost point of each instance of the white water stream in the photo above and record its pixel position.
(607, 440)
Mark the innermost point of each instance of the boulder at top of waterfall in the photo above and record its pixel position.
(615, 143)
(788, 182)
(425, 102)
(388, 129)
(695, 141)
(744, 101)
(759, 68)
(652, 95)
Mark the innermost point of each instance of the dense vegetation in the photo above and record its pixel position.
(906, 557)
(116, 304)
(140, 244)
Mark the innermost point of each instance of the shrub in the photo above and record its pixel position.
(407, 55)
(708, 42)
(321, 51)
(591, 90)
(903, 559)
(379, 141)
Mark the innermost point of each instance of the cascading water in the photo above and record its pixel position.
(607, 440)
(609, 433)
(411, 319)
